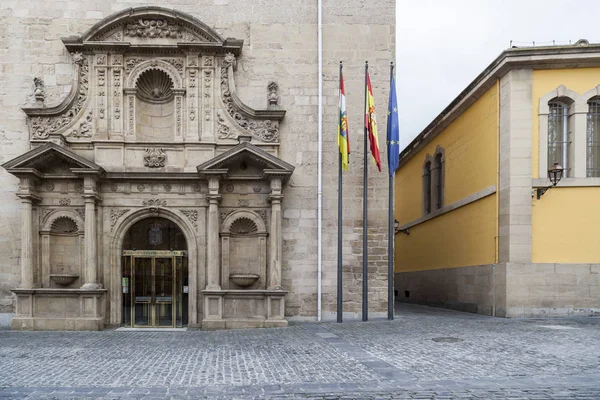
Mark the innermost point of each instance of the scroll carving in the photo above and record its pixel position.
(266, 130)
(85, 128)
(223, 130)
(42, 127)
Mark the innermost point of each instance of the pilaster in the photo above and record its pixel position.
(276, 252)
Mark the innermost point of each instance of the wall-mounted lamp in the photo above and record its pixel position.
(396, 225)
(555, 174)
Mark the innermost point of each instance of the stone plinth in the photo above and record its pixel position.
(59, 309)
(234, 309)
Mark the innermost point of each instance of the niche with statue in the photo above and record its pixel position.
(244, 251)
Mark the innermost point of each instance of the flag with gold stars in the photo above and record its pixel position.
(393, 130)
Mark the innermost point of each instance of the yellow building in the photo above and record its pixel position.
(478, 229)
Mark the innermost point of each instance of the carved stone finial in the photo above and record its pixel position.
(272, 96)
(39, 93)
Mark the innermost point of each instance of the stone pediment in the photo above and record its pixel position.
(51, 159)
(246, 161)
(145, 27)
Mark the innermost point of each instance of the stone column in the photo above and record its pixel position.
(275, 235)
(212, 244)
(91, 268)
(27, 280)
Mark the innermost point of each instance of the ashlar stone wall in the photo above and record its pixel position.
(280, 44)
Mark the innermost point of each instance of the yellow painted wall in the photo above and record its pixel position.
(465, 236)
(565, 226)
(564, 220)
(579, 80)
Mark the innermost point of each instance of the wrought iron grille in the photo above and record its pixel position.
(558, 129)
(593, 138)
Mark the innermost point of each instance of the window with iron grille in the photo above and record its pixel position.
(593, 138)
(427, 188)
(558, 135)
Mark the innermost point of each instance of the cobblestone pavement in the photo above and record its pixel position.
(424, 353)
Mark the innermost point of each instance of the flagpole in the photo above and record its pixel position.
(391, 229)
(365, 294)
(339, 249)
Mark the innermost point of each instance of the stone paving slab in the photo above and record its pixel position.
(471, 357)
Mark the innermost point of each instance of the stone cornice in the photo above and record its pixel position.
(511, 59)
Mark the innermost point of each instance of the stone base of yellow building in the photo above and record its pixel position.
(506, 289)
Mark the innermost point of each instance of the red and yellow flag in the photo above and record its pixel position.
(371, 124)
(343, 137)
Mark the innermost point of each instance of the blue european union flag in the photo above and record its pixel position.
(393, 130)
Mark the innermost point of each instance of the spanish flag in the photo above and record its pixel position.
(343, 137)
(371, 123)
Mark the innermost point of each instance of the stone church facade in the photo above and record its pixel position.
(175, 184)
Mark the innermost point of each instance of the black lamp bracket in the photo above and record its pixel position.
(541, 191)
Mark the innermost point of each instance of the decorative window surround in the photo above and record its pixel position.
(451, 207)
(578, 111)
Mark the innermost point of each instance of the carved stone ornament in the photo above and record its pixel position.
(42, 127)
(167, 187)
(80, 212)
(153, 28)
(243, 203)
(223, 130)
(85, 128)
(263, 215)
(266, 130)
(224, 215)
(192, 216)
(154, 203)
(39, 93)
(155, 158)
(115, 215)
(272, 96)
(50, 187)
(64, 202)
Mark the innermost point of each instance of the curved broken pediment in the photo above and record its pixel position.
(150, 74)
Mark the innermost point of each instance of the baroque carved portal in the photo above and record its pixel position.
(152, 136)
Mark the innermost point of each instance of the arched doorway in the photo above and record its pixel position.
(154, 278)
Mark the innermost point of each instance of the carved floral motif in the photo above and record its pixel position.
(154, 202)
(177, 63)
(42, 127)
(85, 128)
(64, 202)
(155, 158)
(81, 212)
(153, 28)
(115, 215)
(266, 130)
(192, 216)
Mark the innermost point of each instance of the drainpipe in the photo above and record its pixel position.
(320, 157)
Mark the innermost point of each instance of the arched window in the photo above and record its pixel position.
(558, 134)
(427, 186)
(593, 138)
(438, 180)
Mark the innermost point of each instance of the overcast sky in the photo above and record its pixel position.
(444, 44)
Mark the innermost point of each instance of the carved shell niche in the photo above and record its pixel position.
(243, 226)
(155, 85)
(64, 225)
